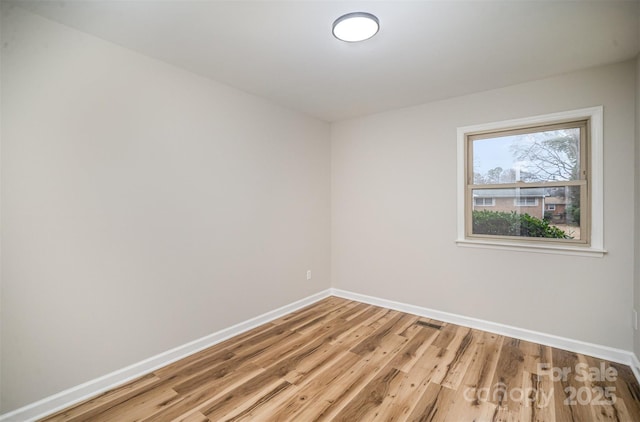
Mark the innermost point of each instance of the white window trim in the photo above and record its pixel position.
(517, 202)
(492, 204)
(551, 207)
(596, 248)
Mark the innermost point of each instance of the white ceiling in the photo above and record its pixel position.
(425, 50)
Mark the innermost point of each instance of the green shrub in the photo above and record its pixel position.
(513, 224)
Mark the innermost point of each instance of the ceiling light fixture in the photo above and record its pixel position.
(356, 26)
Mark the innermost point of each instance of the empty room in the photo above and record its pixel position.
(319, 210)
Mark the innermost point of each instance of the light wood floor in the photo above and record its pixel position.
(347, 361)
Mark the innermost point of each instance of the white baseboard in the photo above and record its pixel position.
(89, 389)
(97, 386)
(635, 366)
(599, 351)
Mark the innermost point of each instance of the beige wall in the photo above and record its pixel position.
(394, 214)
(142, 207)
(636, 285)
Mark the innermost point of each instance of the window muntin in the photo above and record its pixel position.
(519, 168)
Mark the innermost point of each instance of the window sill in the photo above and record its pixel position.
(527, 247)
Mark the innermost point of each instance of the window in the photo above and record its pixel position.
(526, 201)
(528, 163)
(484, 202)
(516, 166)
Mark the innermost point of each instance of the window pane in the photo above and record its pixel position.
(566, 215)
(526, 212)
(547, 156)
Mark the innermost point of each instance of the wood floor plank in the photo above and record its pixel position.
(384, 345)
(140, 406)
(261, 398)
(387, 315)
(507, 378)
(344, 312)
(322, 395)
(420, 339)
(390, 328)
(105, 401)
(475, 387)
(402, 397)
(484, 361)
(461, 360)
(343, 360)
(313, 310)
(375, 400)
(603, 408)
(364, 405)
(330, 329)
(537, 385)
(311, 358)
(336, 396)
(309, 391)
(361, 328)
(206, 393)
(180, 372)
(216, 374)
(401, 400)
(537, 398)
(567, 405)
(627, 391)
(447, 333)
(433, 405)
(456, 345)
(196, 417)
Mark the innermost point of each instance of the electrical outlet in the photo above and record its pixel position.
(635, 320)
(308, 274)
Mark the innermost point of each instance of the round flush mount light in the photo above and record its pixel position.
(356, 26)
